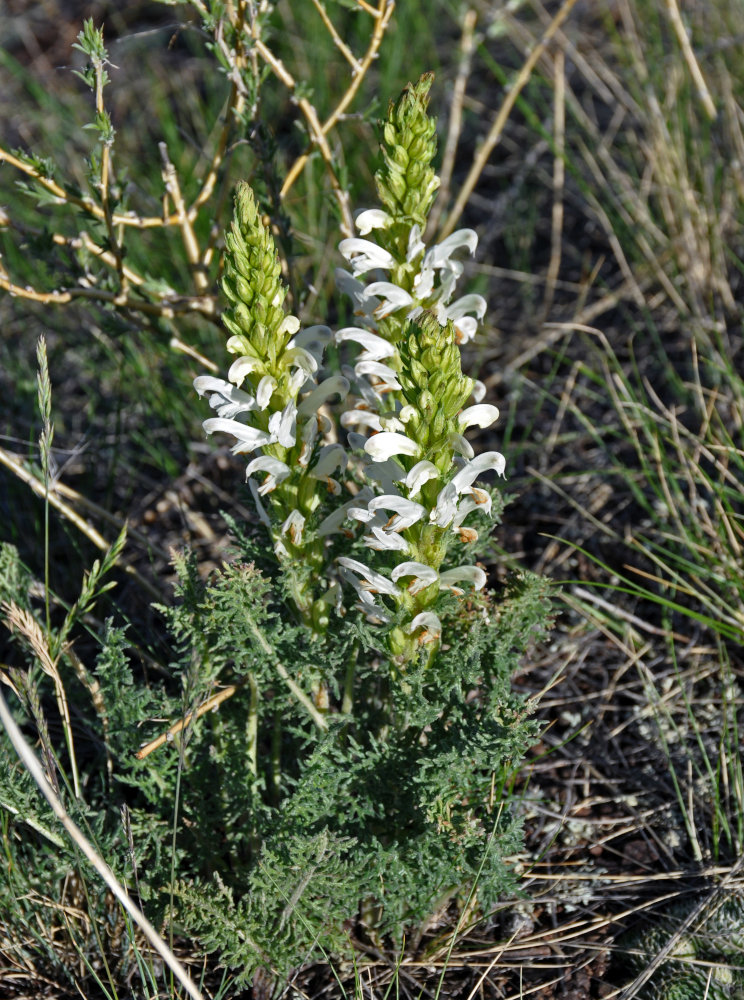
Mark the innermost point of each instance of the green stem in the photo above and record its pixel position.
(276, 758)
(348, 699)
(251, 729)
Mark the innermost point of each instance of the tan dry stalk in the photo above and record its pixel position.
(497, 127)
(19, 620)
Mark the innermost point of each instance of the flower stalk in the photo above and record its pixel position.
(411, 415)
(271, 404)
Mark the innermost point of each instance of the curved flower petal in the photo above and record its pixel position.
(392, 424)
(375, 347)
(265, 463)
(408, 511)
(262, 515)
(387, 376)
(371, 218)
(301, 357)
(226, 399)
(330, 458)
(479, 390)
(423, 283)
(243, 366)
(463, 574)
(336, 384)
(282, 425)
(249, 438)
(428, 621)
(416, 245)
(477, 466)
(393, 297)
(472, 303)
(294, 525)
(461, 445)
(465, 329)
(382, 446)
(421, 473)
(424, 575)
(440, 254)
(480, 415)
(374, 582)
(360, 514)
(466, 506)
(265, 391)
(385, 541)
(313, 339)
(332, 523)
(361, 418)
(364, 302)
(446, 507)
(290, 324)
(364, 255)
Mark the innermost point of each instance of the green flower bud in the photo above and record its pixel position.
(406, 182)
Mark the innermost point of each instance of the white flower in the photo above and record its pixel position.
(265, 391)
(248, 438)
(361, 418)
(423, 575)
(312, 339)
(466, 304)
(262, 515)
(372, 218)
(364, 303)
(476, 467)
(282, 425)
(330, 458)
(388, 379)
(392, 424)
(370, 582)
(226, 399)
(479, 391)
(277, 470)
(440, 254)
(364, 255)
(393, 298)
(331, 524)
(416, 245)
(465, 574)
(430, 623)
(446, 507)
(388, 443)
(241, 367)
(305, 365)
(336, 384)
(375, 347)
(385, 541)
(480, 415)
(420, 474)
(407, 512)
(461, 445)
(479, 500)
(295, 525)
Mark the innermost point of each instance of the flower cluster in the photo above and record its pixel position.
(419, 278)
(410, 415)
(405, 423)
(426, 472)
(271, 404)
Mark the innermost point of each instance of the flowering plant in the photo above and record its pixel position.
(368, 488)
